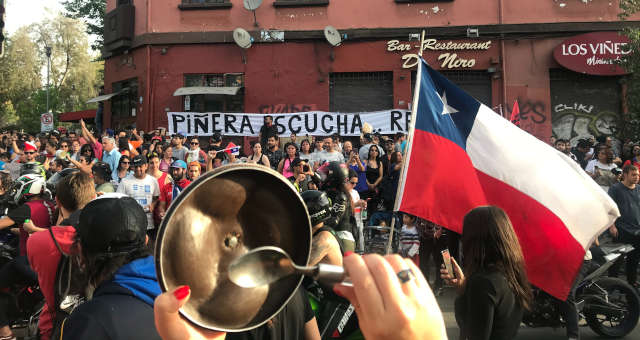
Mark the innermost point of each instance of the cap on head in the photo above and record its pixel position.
(112, 226)
(179, 164)
(29, 146)
(139, 160)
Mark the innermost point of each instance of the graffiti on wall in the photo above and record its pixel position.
(533, 110)
(286, 108)
(574, 121)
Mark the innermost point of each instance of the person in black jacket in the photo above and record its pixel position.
(111, 236)
(495, 291)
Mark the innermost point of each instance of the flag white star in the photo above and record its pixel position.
(446, 108)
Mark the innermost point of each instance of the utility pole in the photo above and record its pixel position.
(47, 50)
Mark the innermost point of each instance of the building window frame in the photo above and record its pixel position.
(204, 4)
(228, 103)
(125, 103)
(123, 3)
(300, 3)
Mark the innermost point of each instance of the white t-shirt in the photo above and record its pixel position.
(605, 177)
(333, 156)
(143, 191)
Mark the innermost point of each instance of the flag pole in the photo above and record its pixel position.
(409, 145)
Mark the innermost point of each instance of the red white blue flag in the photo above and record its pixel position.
(462, 155)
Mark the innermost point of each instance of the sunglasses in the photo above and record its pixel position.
(354, 183)
(64, 146)
(125, 162)
(29, 152)
(195, 143)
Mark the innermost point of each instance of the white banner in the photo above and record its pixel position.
(316, 123)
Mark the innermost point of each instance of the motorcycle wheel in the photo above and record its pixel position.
(621, 293)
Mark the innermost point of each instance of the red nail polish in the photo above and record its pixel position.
(181, 292)
(348, 253)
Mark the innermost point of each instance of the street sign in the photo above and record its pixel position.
(46, 122)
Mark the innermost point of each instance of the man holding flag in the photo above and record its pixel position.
(475, 159)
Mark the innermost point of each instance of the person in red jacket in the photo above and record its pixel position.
(170, 191)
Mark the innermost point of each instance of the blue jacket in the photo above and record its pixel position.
(121, 308)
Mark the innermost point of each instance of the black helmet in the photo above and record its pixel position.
(337, 174)
(32, 168)
(318, 206)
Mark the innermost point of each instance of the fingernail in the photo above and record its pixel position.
(348, 253)
(336, 290)
(181, 292)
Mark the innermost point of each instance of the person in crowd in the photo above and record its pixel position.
(493, 290)
(267, 130)
(398, 306)
(58, 164)
(609, 142)
(257, 156)
(83, 164)
(124, 147)
(195, 154)
(389, 185)
(600, 169)
(347, 147)
(329, 154)
(102, 177)
(273, 152)
(124, 169)
(72, 193)
(337, 143)
(33, 203)
(318, 148)
(50, 149)
(141, 187)
(580, 151)
(194, 170)
(173, 189)
(325, 246)
(305, 149)
(374, 174)
(300, 178)
(63, 149)
(87, 150)
(400, 141)
(337, 190)
(178, 150)
(352, 183)
(75, 150)
(293, 139)
(118, 267)
(95, 145)
(163, 179)
(285, 164)
(433, 240)
(111, 156)
(635, 159)
(367, 141)
(409, 246)
(626, 228)
(357, 165)
(166, 157)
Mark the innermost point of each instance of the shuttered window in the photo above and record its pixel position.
(360, 91)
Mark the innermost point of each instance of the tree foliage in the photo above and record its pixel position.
(629, 127)
(74, 78)
(92, 12)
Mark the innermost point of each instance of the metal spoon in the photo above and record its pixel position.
(264, 265)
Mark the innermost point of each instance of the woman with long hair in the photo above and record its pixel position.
(374, 174)
(494, 290)
(305, 149)
(87, 150)
(124, 167)
(284, 167)
(257, 156)
(166, 157)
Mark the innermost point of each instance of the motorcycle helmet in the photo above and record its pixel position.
(28, 186)
(32, 168)
(337, 174)
(318, 206)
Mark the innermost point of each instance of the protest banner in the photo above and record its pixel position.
(316, 123)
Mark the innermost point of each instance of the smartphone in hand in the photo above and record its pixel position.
(446, 257)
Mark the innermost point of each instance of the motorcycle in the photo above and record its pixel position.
(609, 305)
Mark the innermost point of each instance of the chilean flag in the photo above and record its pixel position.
(462, 155)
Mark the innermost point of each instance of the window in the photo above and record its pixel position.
(299, 3)
(360, 91)
(204, 4)
(124, 105)
(215, 102)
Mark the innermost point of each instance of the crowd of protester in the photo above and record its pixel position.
(349, 182)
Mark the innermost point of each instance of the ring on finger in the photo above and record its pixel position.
(405, 275)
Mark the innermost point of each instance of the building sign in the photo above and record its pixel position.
(448, 57)
(46, 122)
(597, 53)
(315, 123)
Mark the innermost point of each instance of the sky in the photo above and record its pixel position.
(25, 12)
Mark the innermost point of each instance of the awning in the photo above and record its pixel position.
(185, 91)
(77, 115)
(103, 97)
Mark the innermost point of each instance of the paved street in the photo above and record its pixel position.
(446, 305)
